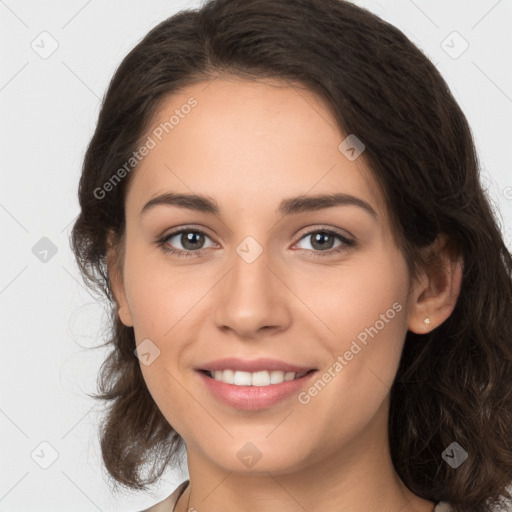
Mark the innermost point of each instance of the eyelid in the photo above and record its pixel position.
(321, 227)
(176, 231)
(306, 231)
(347, 241)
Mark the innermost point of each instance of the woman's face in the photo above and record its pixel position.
(313, 285)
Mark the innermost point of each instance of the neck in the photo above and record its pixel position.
(357, 476)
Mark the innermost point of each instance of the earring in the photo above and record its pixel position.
(426, 321)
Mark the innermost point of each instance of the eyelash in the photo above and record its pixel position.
(347, 243)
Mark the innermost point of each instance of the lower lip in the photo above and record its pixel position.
(253, 398)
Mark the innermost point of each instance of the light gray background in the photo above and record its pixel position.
(48, 111)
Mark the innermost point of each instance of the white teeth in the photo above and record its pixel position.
(242, 378)
(262, 378)
(276, 377)
(228, 376)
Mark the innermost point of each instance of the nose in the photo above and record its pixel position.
(252, 299)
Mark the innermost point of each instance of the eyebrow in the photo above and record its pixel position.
(288, 206)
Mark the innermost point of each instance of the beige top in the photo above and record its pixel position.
(169, 503)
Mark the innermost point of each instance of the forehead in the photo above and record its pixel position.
(256, 141)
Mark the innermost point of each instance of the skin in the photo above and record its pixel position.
(249, 145)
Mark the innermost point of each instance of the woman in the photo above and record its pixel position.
(310, 292)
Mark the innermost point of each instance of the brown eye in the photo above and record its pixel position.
(191, 241)
(324, 241)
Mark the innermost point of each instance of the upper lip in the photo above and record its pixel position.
(253, 365)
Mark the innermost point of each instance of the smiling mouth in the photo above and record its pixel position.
(257, 379)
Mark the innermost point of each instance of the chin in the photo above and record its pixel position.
(258, 457)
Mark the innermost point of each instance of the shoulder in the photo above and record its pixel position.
(442, 506)
(168, 504)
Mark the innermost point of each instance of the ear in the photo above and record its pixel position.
(115, 275)
(436, 290)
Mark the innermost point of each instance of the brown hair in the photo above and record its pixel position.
(453, 384)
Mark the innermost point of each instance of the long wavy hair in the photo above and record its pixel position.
(453, 384)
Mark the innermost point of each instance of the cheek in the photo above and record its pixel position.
(371, 314)
(369, 321)
(374, 297)
(345, 299)
(162, 306)
(159, 295)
